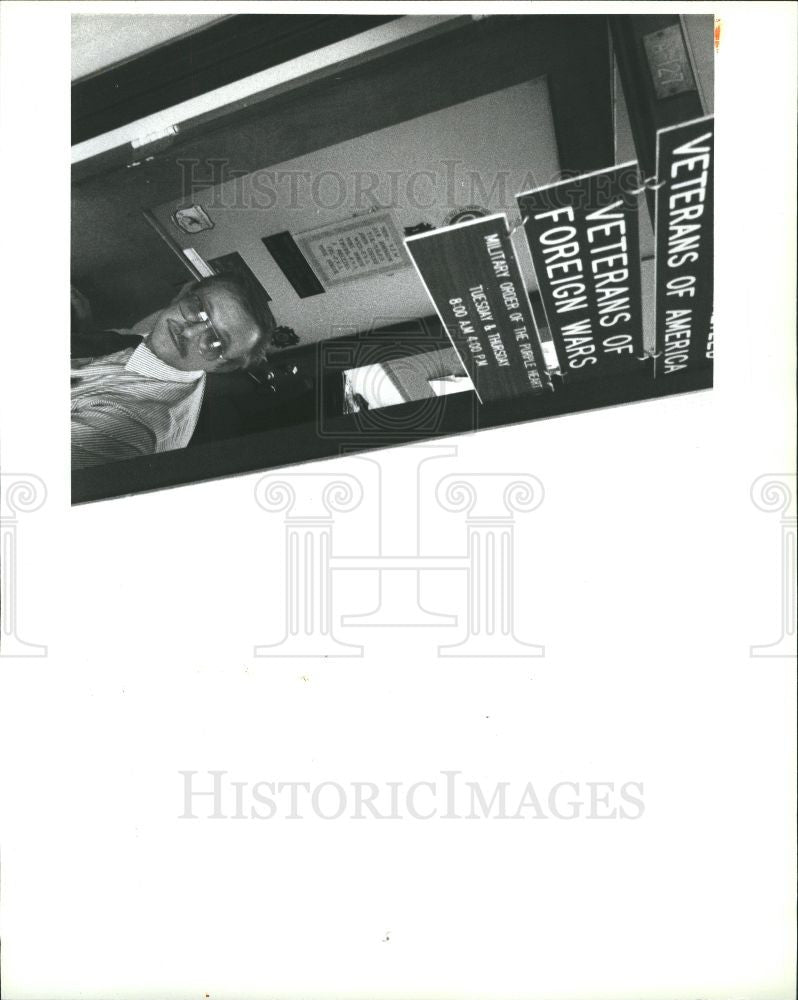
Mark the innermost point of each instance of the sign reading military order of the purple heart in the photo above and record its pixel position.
(472, 276)
(583, 235)
(684, 247)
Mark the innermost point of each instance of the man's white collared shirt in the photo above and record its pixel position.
(130, 404)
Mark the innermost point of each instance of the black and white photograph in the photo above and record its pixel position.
(397, 577)
(467, 220)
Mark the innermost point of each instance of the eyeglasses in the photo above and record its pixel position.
(210, 343)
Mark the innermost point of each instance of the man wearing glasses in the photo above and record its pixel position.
(147, 398)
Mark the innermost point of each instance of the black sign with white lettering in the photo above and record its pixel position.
(472, 276)
(684, 241)
(584, 238)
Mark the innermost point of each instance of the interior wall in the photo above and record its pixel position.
(102, 40)
(700, 33)
(474, 154)
(111, 240)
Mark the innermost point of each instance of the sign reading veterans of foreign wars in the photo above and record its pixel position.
(584, 238)
(684, 242)
(472, 276)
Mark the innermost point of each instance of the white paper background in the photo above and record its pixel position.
(647, 573)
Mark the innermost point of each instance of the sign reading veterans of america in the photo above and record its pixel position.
(684, 246)
(584, 238)
(472, 276)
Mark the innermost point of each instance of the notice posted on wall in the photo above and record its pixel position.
(684, 247)
(356, 248)
(472, 276)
